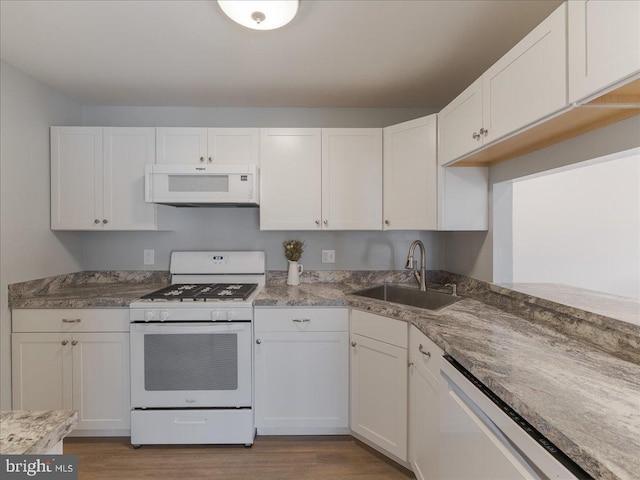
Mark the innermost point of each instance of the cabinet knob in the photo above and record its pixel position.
(74, 342)
(210, 159)
(96, 221)
(387, 222)
(64, 342)
(201, 159)
(353, 344)
(105, 221)
(326, 222)
(258, 341)
(475, 136)
(484, 131)
(317, 222)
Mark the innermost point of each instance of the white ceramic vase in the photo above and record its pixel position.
(293, 276)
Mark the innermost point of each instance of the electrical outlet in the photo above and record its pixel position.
(149, 254)
(328, 256)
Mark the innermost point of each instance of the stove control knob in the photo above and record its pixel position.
(164, 315)
(215, 315)
(231, 314)
(148, 315)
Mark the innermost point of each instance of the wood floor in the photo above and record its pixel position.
(270, 458)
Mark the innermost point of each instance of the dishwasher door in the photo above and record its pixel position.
(481, 440)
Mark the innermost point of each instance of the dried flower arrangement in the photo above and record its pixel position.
(293, 249)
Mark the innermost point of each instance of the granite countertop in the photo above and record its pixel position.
(34, 432)
(583, 399)
(574, 375)
(108, 289)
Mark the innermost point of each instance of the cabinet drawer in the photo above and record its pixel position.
(423, 350)
(70, 320)
(301, 319)
(380, 328)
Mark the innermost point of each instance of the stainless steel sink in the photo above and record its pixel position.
(409, 296)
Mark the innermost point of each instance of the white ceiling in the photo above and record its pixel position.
(335, 53)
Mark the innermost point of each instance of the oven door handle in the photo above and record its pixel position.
(188, 328)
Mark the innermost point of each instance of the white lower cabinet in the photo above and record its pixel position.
(301, 359)
(58, 365)
(424, 411)
(379, 382)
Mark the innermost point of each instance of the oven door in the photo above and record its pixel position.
(178, 365)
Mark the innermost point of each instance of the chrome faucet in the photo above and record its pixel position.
(421, 277)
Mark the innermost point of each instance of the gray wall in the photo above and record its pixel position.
(28, 248)
(238, 229)
(472, 253)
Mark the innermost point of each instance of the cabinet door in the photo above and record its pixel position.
(76, 178)
(101, 380)
(379, 394)
(41, 371)
(239, 146)
(459, 124)
(410, 177)
(126, 151)
(529, 82)
(352, 179)
(604, 44)
(181, 145)
(463, 196)
(424, 418)
(290, 191)
(424, 405)
(302, 382)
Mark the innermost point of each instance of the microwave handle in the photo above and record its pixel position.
(148, 187)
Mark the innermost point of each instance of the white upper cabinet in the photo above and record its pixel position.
(236, 146)
(352, 179)
(290, 190)
(460, 123)
(329, 179)
(604, 44)
(410, 175)
(126, 151)
(181, 145)
(97, 178)
(526, 85)
(529, 82)
(208, 145)
(419, 194)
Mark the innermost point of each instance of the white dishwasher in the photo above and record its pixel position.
(483, 438)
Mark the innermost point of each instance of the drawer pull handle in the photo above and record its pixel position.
(74, 342)
(421, 350)
(353, 344)
(64, 342)
(301, 320)
(71, 320)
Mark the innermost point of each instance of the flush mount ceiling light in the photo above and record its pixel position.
(260, 14)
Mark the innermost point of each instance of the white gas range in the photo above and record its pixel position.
(191, 355)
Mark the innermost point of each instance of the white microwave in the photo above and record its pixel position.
(202, 185)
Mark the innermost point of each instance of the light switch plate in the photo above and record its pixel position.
(328, 256)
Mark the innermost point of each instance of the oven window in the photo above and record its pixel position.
(191, 362)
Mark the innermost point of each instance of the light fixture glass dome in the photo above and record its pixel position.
(260, 14)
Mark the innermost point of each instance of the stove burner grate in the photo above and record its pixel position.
(203, 292)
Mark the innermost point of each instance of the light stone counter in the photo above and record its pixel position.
(573, 374)
(34, 432)
(582, 398)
